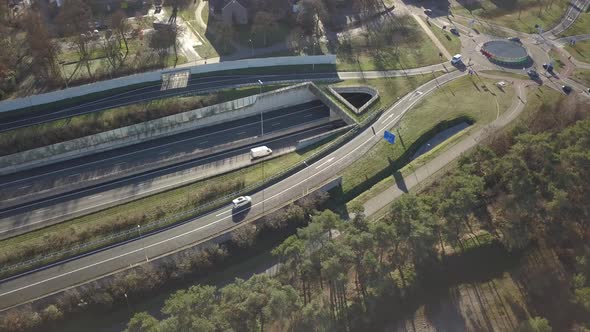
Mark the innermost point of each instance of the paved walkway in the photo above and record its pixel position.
(432, 37)
(410, 181)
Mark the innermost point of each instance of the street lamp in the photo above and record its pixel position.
(261, 113)
(140, 238)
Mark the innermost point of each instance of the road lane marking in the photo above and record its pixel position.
(161, 146)
(121, 163)
(95, 196)
(210, 224)
(240, 133)
(25, 187)
(203, 142)
(276, 124)
(163, 152)
(71, 175)
(222, 213)
(322, 164)
(41, 211)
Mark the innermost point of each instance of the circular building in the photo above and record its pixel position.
(506, 53)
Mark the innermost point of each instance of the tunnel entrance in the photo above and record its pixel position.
(357, 99)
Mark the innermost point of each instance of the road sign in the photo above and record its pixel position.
(389, 136)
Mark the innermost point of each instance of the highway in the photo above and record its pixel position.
(52, 279)
(56, 208)
(26, 186)
(195, 85)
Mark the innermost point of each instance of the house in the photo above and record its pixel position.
(231, 11)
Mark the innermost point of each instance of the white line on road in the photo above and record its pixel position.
(308, 115)
(276, 124)
(163, 152)
(241, 132)
(203, 142)
(95, 196)
(40, 211)
(222, 213)
(325, 162)
(72, 175)
(121, 163)
(25, 187)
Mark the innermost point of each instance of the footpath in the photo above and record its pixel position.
(375, 204)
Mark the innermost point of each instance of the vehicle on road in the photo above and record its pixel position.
(428, 12)
(456, 59)
(259, 152)
(455, 31)
(515, 39)
(548, 67)
(533, 74)
(241, 201)
(567, 89)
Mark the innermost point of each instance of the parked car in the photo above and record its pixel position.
(515, 39)
(454, 31)
(567, 89)
(241, 201)
(428, 12)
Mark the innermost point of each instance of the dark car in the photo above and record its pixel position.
(454, 31)
(533, 74)
(428, 12)
(567, 89)
(515, 39)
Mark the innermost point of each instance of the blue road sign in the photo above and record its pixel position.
(389, 136)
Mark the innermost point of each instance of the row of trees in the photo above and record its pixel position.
(528, 184)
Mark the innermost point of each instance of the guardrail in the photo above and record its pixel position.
(58, 257)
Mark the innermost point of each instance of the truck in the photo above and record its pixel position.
(259, 152)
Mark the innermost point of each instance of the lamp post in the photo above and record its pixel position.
(140, 238)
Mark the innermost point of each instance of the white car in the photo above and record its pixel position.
(456, 59)
(241, 201)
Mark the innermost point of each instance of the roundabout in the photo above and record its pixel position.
(506, 53)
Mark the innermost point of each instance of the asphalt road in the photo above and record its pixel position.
(23, 187)
(54, 278)
(195, 85)
(57, 208)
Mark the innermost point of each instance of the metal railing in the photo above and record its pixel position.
(121, 237)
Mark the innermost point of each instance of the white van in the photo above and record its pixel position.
(259, 152)
(456, 59)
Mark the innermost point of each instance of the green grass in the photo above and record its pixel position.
(156, 207)
(539, 97)
(582, 76)
(521, 15)
(580, 51)
(580, 27)
(399, 45)
(88, 124)
(558, 65)
(460, 99)
(450, 42)
(390, 90)
(508, 74)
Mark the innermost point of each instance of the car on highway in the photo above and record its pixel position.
(567, 89)
(241, 201)
(456, 59)
(454, 31)
(548, 67)
(260, 151)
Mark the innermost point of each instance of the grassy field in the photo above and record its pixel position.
(142, 211)
(580, 27)
(83, 125)
(401, 43)
(580, 51)
(479, 100)
(451, 42)
(390, 89)
(521, 15)
(508, 74)
(582, 76)
(558, 65)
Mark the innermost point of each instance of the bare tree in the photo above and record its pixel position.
(263, 23)
(43, 49)
(120, 25)
(111, 46)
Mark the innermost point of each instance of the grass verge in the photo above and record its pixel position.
(580, 51)
(400, 43)
(169, 204)
(48, 133)
(582, 76)
(450, 42)
(520, 15)
(478, 100)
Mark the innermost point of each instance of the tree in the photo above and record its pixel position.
(120, 24)
(224, 36)
(161, 41)
(583, 297)
(193, 308)
(43, 49)
(74, 17)
(328, 219)
(263, 23)
(111, 45)
(245, 236)
(51, 314)
(142, 322)
(312, 11)
(536, 324)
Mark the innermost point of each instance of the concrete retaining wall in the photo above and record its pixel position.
(337, 90)
(170, 125)
(334, 107)
(155, 76)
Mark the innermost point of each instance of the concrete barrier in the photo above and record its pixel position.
(166, 126)
(334, 107)
(337, 90)
(302, 144)
(155, 76)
